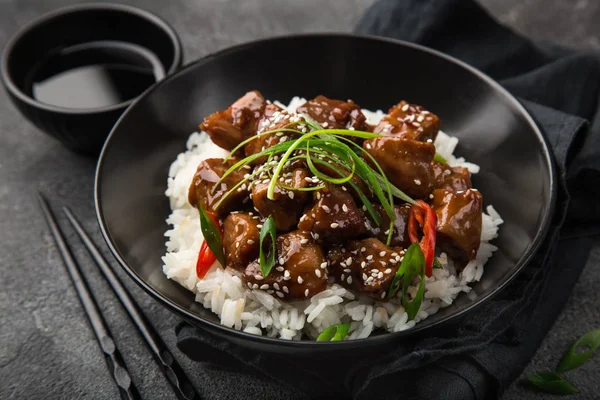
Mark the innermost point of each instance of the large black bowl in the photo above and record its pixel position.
(495, 132)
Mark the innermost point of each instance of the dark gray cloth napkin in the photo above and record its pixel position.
(478, 356)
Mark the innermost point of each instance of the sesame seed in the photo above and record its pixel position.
(324, 265)
(279, 294)
(369, 279)
(394, 254)
(334, 225)
(416, 124)
(264, 287)
(431, 196)
(447, 172)
(388, 271)
(270, 291)
(255, 286)
(250, 241)
(259, 226)
(383, 263)
(363, 264)
(342, 277)
(318, 272)
(237, 244)
(349, 260)
(368, 146)
(380, 275)
(324, 207)
(404, 107)
(420, 118)
(364, 277)
(417, 182)
(347, 270)
(382, 254)
(306, 293)
(398, 258)
(364, 208)
(344, 188)
(316, 236)
(325, 124)
(286, 273)
(382, 295)
(392, 261)
(343, 264)
(259, 277)
(300, 280)
(370, 257)
(281, 261)
(428, 140)
(363, 249)
(276, 286)
(318, 195)
(303, 241)
(285, 289)
(291, 195)
(349, 280)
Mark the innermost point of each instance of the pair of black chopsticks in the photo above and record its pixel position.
(180, 383)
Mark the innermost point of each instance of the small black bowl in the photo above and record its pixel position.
(80, 129)
(495, 131)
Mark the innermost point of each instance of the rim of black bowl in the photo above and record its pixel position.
(45, 18)
(189, 315)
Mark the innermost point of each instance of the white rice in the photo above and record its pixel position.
(259, 313)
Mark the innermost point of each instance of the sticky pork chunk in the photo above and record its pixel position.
(451, 178)
(241, 238)
(406, 163)
(287, 206)
(366, 266)
(209, 172)
(230, 127)
(274, 117)
(334, 114)
(334, 217)
(458, 223)
(300, 271)
(409, 121)
(400, 232)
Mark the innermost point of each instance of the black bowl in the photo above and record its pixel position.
(81, 130)
(495, 131)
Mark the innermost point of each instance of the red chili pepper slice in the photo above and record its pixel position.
(421, 214)
(206, 258)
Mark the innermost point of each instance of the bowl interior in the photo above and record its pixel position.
(494, 130)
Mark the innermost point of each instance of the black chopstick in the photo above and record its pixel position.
(172, 370)
(115, 362)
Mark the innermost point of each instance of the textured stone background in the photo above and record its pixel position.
(46, 346)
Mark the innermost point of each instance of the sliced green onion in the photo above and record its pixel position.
(267, 261)
(416, 267)
(551, 382)
(574, 358)
(212, 235)
(437, 264)
(438, 157)
(334, 333)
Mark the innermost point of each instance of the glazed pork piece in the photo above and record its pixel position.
(335, 114)
(334, 217)
(458, 223)
(451, 178)
(366, 266)
(273, 118)
(230, 127)
(409, 121)
(406, 163)
(287, 205)
(300, 271)
(399, 234)
(202, 192)
(241, 238)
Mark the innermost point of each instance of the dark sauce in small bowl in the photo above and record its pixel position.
(94, 74)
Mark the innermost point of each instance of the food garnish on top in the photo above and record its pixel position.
(319, 195)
